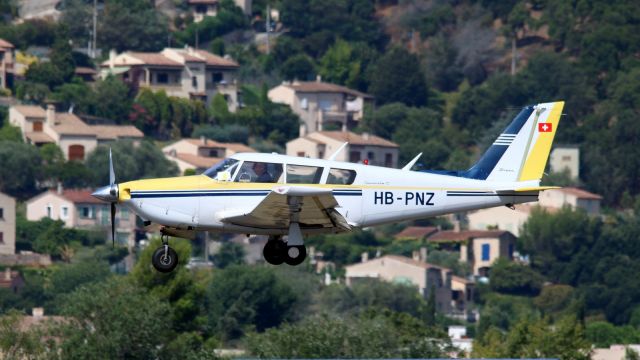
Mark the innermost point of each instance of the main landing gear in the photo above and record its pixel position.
(164, 259)
(276, 251)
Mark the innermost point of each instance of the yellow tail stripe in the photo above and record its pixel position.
(537, 160)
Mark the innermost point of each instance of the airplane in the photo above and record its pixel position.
(278, 195)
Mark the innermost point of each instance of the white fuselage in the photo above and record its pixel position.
(377, 196)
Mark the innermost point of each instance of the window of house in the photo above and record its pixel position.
(86, 212)
(201, 9)
(301, 154)
(354, 156)
(213, 152)
(299, 174)
(510, 254)
(304, 103)
(341, 176)
(194, 82)
(388, 160)
(124, 214)
(37, 126)
(49, 211)
(162, 78)
(371, 155)
(64, 212)
(1, 213)
(1, 237)
(217, 77)
(76, 152)
(486, 251)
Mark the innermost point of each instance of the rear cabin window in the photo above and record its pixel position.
(341, 176)
(299, 174)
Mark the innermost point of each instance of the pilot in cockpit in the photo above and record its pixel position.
(262, 175)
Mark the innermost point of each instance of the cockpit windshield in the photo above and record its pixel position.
(223, 170)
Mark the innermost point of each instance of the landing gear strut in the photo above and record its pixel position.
(164, 259)
(276, 251)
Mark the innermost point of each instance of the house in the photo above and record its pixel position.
(459, 339)
(572, 197)
(565, 158)
(7, 224)
(87, 74)
(78, 209)
(416, 233)
(11, 280)
(501, 217)
(74, 137)
(186, 73)
(321, 105)
(462, 295)
(322, 144)
(201, 154)
(400, 269)
(203, 8)
(6, 64)
(614, 352)
(478, 248)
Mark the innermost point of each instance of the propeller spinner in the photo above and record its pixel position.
(109, 194)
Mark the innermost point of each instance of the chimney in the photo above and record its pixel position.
(456, 225)
(423, 254)
(365, 256)
(365, 135)
(7, 274)
(203, 139)
(112, 58)
(318, 78)
(59, 188)
(37, 312)
(51, 115)
(415, 255)
(303, 130)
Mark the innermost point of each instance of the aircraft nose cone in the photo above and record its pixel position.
(105, 194)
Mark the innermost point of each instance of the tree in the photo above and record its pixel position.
(241, 299)
(18, 343)
(515, 279)
(229, 254)
(19, 169)
(10, 133)
(298, 67)
(113, 100)
(398, 77)
(371, 335)
(226, 133)
(113, 319)
(129, 25)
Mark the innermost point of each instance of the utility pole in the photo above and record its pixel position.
(95, 28)
(268, 26)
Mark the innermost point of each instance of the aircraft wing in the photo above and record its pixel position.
(310, 207)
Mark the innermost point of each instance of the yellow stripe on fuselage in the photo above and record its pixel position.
(537, 159)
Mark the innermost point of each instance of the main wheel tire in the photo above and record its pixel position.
(291, 258)
(274, 252)
(164, 263)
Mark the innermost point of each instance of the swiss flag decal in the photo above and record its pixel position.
(545, 127)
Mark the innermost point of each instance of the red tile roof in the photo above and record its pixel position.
(215, 60)
(579, 193)
(416, 232)
(157, 59)
(201, 162)
(5, 44)
(30, 111)
(417, 263)
(79, 196)
(356, 139)
(446, 236)
(323, 87)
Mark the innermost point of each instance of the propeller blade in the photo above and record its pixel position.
(112, 174)
(113, 224)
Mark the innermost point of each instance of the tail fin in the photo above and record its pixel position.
(520, 153)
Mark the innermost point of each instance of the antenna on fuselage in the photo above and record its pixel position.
(411, 163)
(335, 154)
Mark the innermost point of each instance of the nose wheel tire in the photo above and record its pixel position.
(274, 252)
(164, 259)
(295, 255)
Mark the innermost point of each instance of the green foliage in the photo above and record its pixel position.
(38, 32)
(243, 299)
(230, 254)
(19, 343)
(564, 340)
(162, 117)
(515, 279)
(131, 162)
(298, 67)
(112, 320)
(217, 47)
(132, 25)
(372, 335)
(19, 169)
(228, 19)
(10, 133)
(347, 248)
(346, 64)
(554, 299)
(397, 77)
(225, 133)
(502, 311)
(603, 334)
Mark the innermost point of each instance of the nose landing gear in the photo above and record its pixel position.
(276, 251)
(164, 259)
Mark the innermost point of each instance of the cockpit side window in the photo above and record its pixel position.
(299, 174)
(260, 172)
(223, 170)
(341, 176)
